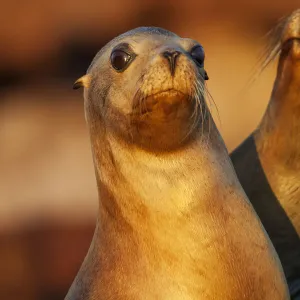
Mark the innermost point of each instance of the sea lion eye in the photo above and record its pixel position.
(198, 56)
(120, 60)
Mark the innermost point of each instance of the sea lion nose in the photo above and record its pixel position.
(171, 56)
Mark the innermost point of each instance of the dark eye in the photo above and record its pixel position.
(198, 56)
(120, 60)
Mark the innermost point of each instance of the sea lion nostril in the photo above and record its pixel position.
(171, 53)
(171, 56)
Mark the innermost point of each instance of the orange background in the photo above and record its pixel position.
(48, 197)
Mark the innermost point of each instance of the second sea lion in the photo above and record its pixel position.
(268, 161)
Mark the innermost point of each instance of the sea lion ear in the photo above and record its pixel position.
(83, 81)
(205, 75)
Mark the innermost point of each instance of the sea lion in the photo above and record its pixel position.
(173, 222)
(268, 161)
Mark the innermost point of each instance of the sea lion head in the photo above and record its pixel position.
(286, 38)
(147, 87)
(285, 42)
(277, 135)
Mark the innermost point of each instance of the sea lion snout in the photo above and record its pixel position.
(171, 69)
(296, 47)
(171, 55)
(292, 48)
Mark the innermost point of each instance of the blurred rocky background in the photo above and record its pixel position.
(48, 197)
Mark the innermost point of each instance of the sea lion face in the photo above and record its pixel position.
(147, 86)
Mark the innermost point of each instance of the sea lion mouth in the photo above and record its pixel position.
(167, 92)
(167, 100)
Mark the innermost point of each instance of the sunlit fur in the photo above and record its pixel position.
(173, 221)
(278, 136)
(277, 144)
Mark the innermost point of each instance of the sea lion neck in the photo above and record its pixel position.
(138, 182)
(159, 225)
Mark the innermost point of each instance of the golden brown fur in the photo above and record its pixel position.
(174, 222)
(278, 136)
(280, 126)
(272, 153)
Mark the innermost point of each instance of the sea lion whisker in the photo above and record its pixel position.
(204, 95)
(194, 117)
(200, 92)
(269, 52)
(193, 96)
(206, 115)
(197, 105)
(203, 111)
(211, 99)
